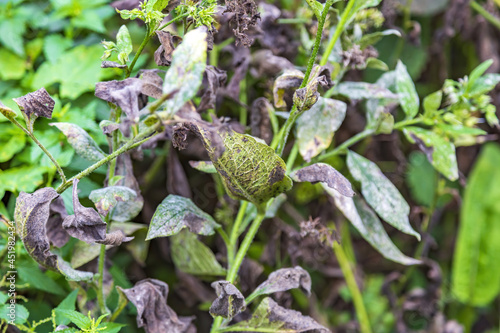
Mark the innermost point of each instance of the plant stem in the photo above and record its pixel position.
(180, 17)
(487, 15)
(357, 299)
(42, 147)
(112, 164)
(336, 35)
(138, 53)
(101, 299)
(233, 238)
(346, 144)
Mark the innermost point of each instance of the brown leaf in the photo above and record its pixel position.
(260, 122)
(240, 63)
(229, 300)
(152, 83)
(163, 55)
(55, 231)
(38, 103)
(306, 97)
(325, 173)
(115, 238)
(112, 64)
(286, 82)
(122, 93)
(177, 181)
(245, 16)
(284, 279)
(150, 298)
(213, 79)
(85, 224)
(267, 64)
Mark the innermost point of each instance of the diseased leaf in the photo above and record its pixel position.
(305, 98)
(7, 112)
(38, 103)
(105, 199)
(205, 166)
(124, 94)
(124, 44)
(81, 141)
(369, 226)
(249, 169)
(260, 119)
(193, 257)
(152, 83)
(85, 224)
(108, 127)
(31, 216)
(324, 173)
(177, 180)
(290, 79)
(186, 72)
(115, 238)
(112, 64)
(380, 193)
(476, 273)
(55, 231)
(440, 152)
(363, 90)
(316, 127)
(270, 317)
(153, 314)
(405, 87)
(284, 279)
(230, 301)
(213, 80)
(163, 55)
(176, 213)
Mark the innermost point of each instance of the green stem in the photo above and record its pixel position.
(357, 299)
(487, 15)
(346, 144)
(180, 17)
(336, 35)
(114, 146)
(292, 157)
(101, 299)
(233, 238)
(42, 147)
(138, 53)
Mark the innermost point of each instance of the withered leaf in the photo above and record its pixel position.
(115, 238)
(108, 127)
(260, 121)
(150, 298)
(240, 63)
(176, 213)
(112, 64)
(55, 232)
(105, 199)
(289, 80)
(267, 64)
(31, 216)
(213, 79)
(325, 173)
(306, 97)
(270, 316)
(163, 55)
(229, 302)
(177, 181)
(7, 112)
(152, 83)
(38, 103)
(122, 93)
(85, 224)
(284, 279)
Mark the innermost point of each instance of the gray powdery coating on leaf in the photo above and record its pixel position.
(81, 141)
(85, 224)
(363, 90)
(108, 127)
(115, 238)
(55, 231)
(112, 64)
(213, 80)
(260, 121)
(176, 213)
(324, 173)
(289, 80)
(380, 193)
(163, 55)
(123, 94)
(369, 226)
(150, 298)
(38, 103)
(105, 199)
(230, 301)
(285, 279)
(31, 216)
(152, 83)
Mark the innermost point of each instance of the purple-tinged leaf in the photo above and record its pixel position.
(229, 302)
(324, 173)
(123, 94)
(38, 103)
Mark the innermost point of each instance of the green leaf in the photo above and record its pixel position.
(54, 47)
(380, 193)
(193, 257)
(439, 151)
(476, 273)
(176, 213)
(12, 34)
(26, 178)
(478, 72)
(186, 71)
(81, 141)
(12, 67)
(21, 313)
(484, 84)
(124, 43)
(105, 199)
(31, 273)
(359, 5)
(270, 317)
(422, 179)
(317, 8)
(432, 102)
(369, 226)
(375, 63)
(363, 90)
(83, 322)
(405, 87)
(159, 4)
(205, 166)
(7, 113)
(68, 303)
(13, 141)
(110, 327)
(250, 170)
(316, 127)
(370, 39)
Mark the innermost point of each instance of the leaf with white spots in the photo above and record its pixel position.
(81, 141)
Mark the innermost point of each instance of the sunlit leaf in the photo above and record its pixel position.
(405, 87)
(363, 90)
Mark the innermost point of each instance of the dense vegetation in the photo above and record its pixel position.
(245, 165)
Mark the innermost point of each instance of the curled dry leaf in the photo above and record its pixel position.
(290, 79)
(31, 216)
(306, 97)
(38, 103)
(55, 231)
(245, 15)
(122, 93)
(213, 79)
(105, 199)
(176, 213)
(284, 279)
(81, 141)
(177, 180)
(85, 224)
(115, 238)
(240, 63)
(270, 316)
(260, 121)
(265, 63)
(324, 173)
(230, 301)
(163, 55)
(150, 298)
(152, 83)
(112, 64)
(108, 127)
